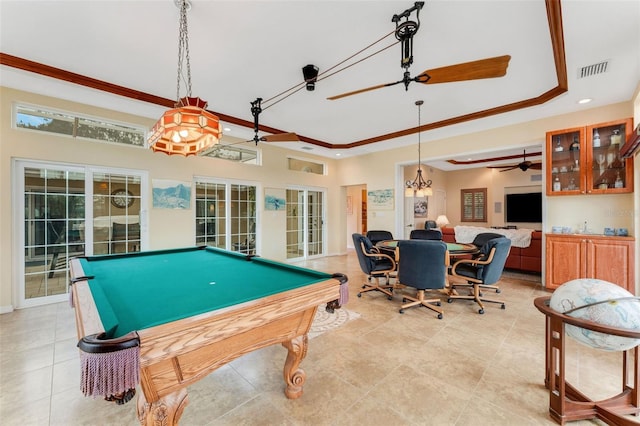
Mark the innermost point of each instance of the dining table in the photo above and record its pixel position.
(390, 247)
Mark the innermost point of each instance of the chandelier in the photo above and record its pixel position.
(418, 187)
(188, 128)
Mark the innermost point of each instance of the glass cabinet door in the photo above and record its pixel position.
(606, 171)
(566, 159)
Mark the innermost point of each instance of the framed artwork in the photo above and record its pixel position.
(171, 194)
(380, 199)
(274, 199)
(420, 207)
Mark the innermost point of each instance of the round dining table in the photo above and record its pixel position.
(455, 249)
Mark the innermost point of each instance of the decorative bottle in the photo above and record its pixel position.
(616, 137)
(618, 183)
(556, 184)
(575, 145)
(558, 146)
(596, 138)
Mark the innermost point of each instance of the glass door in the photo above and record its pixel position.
(52, 228)
(55, 208)
(305, 223)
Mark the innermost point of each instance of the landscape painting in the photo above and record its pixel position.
(171, 194)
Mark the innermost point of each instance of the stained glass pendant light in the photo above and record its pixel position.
(188, 128)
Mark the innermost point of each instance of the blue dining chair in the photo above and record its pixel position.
(482, 272)
(423, 266)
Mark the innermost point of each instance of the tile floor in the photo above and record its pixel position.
(383, 368)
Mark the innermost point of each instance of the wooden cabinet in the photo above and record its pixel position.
(572, 256)
(586, 160)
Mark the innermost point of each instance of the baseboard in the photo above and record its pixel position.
(6, 309)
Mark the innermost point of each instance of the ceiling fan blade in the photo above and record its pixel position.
(536, 166)
(509, 169)
(474, 70)
(368, 89)
(281, 137)
(502, 167)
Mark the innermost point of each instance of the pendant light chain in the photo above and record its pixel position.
(419, 104)
(187, 128)
(183, 49)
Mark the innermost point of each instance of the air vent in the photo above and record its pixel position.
(589, 70)
(307, 148)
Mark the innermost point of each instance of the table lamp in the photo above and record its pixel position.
(442, 221)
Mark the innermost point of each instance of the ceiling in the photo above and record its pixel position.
(241, 50)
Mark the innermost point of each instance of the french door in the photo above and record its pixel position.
(305, 223)
(64, 211)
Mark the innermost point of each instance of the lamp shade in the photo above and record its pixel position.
(442, 221)
(185, 130)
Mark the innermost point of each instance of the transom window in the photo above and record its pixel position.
(233, 153)
(474, 205)
(306, 166)
(77, 126)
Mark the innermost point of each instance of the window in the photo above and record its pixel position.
(474, 205)
(232, 153)
(70, 124)
(305, 166)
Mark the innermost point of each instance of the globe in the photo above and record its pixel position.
(601, 302)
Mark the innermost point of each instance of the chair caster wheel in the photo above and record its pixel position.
(389, 298)
(449, 300)
(439, 304)
(364, 286)
(503, 307)
(439, 316)
(481, 311)
(359, 294)
(404, 300)
(498, 290)
(401, 311)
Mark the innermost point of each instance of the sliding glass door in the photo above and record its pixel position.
(305, 223)
(52, 223)
(226, 215)
(64, 211)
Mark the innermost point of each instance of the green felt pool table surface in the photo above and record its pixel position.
(140, 290)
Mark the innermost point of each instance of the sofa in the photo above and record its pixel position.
(528, 259)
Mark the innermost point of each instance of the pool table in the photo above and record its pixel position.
(164, 319)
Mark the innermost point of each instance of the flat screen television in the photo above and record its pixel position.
(525, 207)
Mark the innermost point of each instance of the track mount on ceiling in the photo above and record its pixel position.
(256, 109)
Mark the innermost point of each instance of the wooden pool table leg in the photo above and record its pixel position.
(294, 376)
(165, 411)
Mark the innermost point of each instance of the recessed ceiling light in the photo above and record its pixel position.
(227, 129)
(338, 154)
(585, 101)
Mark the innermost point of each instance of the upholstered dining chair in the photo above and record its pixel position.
(425, 234)
(375, 264)
(423, 267)
(430, 224)
(483, 272)
(482, 238)
(375, 236)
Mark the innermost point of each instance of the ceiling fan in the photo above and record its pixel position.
(256, 109)
(524, 165)
(474, 70)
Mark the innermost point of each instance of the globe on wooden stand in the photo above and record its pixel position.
(601, 315)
